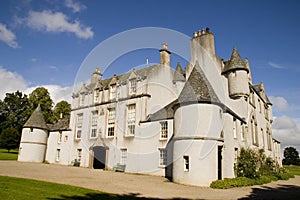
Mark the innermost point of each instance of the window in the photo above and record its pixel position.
(79, 125)
(123, 156)
(131, 119)
(66, 138)
(162, 157)
(267, 112)
(164, 130)
(234, 128)
(111, 122)
(251, 98)
(31, 130)
(263, 138)
(96, 96)
(259, 105)
(186, 163)
(94, 124)
(242, 132)
(269, 139)
(59, 137)
(254, 132)
(79, 154)
(81, 100)
(57, 155)
(132, 86)
(113, 92)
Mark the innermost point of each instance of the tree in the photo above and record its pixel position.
(14, 111)
(41, 96)
(291, 156)
(9, 139)
(61, 108)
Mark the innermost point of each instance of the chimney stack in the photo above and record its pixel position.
(205, 39)
(164, 55)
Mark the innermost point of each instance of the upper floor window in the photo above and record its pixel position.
(164, 130)
(242, 132)
(96, 96)
(111, 122)
(81, 99)
(132, 86)
(79, 126)
(131, 119)
(254, 132)
(94, 124)
(113, 92)
(259, 105)
(252, 98)
(269, 139)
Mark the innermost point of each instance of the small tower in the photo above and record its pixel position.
(96, 76)
(236, 71)
(34, 138)
(164, 55)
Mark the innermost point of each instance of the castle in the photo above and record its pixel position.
(188, 125)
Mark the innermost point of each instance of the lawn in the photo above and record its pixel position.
(293, 169)
(12, 155)
(19, 188)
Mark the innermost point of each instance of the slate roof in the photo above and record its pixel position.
(259, 88)
(60, 125)
(235, 63)
(178, 74)
(197, 89)
(36, 120)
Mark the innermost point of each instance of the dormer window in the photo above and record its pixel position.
(113, 92)
(132, 86)
(96, 96)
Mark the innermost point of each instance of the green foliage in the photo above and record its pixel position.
(9, 139)
(62, 107)
(292, 169)
(14, 111)
(291, 156)
(41, 96)
(11, 155)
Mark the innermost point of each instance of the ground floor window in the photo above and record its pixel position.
(79, 154)
(162, 157)
(186, 163)
(57, 155)
(123, 156)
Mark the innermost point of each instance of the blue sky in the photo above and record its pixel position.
(43, 43)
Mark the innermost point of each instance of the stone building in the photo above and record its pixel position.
(186, 124)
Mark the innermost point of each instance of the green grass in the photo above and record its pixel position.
(12, 155)
(293, 169)
(19, 188)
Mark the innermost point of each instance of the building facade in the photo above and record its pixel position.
(186, 124)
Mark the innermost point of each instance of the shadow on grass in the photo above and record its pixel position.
(107, 196)
(281, 192)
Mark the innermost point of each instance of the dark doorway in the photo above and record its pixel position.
(220, 162)
(99, 157)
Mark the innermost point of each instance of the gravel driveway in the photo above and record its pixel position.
(144, 185)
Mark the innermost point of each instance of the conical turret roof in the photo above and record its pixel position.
(36, 120)
(235, 63)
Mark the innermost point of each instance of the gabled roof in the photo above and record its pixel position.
(36, 120)
(197, 89)
(235, 63)
(178, 74)
(260, 89)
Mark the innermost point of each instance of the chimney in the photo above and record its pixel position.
(164, 55)
(205, 39)
(96, 76)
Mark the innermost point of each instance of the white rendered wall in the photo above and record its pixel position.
(33, 145)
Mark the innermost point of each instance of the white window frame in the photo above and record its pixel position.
(163, 157)
(57, 155)
(186, 163)
(94, 124)
(111, 121)
(113, 92)
(164, 130)
(123, 157)
(131, 119)
(132, 86)
(79, 122)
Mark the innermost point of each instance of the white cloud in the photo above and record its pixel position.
(275, 65)
(287, 131)
(10, 82)
(75, 6)
(13, 82)
(57, 22)
(7, 36)
(279, 103)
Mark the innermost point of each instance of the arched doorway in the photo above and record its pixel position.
(99, 157)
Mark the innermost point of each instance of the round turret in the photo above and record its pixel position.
(236, 72)
(34, 138)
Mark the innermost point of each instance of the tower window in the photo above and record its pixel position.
(186, 163)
